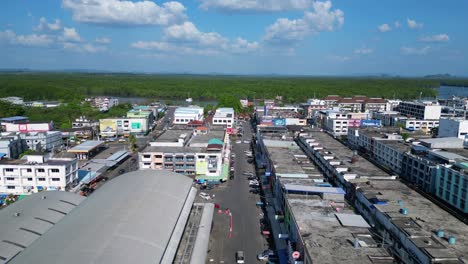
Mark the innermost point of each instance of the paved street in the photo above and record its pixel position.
(246, 216)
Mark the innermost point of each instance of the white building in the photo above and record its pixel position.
(42, 141)
(28, 127)
(183, 115)
(13, 100)
(224, 117)
(453, 128)
(421, 110)
(82, 121)
(34, 173)
(416, 124)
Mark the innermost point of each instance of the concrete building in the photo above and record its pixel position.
(42, 141)
(451, 182)
(11, 146)
(87, 149)
(183, 115)
(407, 222)
(224, 117)
(453, 128)
(13, 100)
(112, 127)
(413, 124)
(123, 227)
(103, 103)
(375, 105)
(202, 156)
(312, 106)
(338, 122)
(421, 110)
(82, 121)
(14, 120)
(28, 127)
(35, 173)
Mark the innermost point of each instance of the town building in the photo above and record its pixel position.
(453, 128)
(87, 149)
(224, 116)
(415, 229)
(14, 120)
(35, 173)
(11, 146)
(451, 181)
(420, 110)
(183, 115)
(82, 121)
(313, 106)
(199, 155)
(413, 124)
(103, 103)
(13, 100)
(28, 127)
(42, 141)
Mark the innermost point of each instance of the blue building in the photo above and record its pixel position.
(451, 184)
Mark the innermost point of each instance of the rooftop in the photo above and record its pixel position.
(324, 235)
(142, 224)
(51, 162)
(87, 146)
(423, 217)
(286, 160)
(14, 118)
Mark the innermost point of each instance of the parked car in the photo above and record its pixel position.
(122, 140)
(251, 178)
(205, 196)
(250, 160)
(247, 173)
(240, 258)
(238, 141)
(247, 141)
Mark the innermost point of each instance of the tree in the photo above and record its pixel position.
(132, 141)
(404, 136)
(230, 101)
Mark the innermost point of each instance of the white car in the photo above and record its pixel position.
(246, 173)
(238, 142)
(247, 141)
(205, 196)
(253, 183)
(122, 140)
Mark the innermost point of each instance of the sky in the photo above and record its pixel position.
(286, 37)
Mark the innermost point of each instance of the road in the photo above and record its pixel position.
(246, 216)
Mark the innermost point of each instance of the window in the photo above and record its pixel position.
(29, 170)
(146, 156)
(9, 170)
(10, 178)
(147, 164)
(55, 179)
(41, 179)
(29, 179)
(55, 170)
(11, 187)
(201, 156)
(40, 170)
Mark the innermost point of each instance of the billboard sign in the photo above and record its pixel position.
(279, 121)
(371, 122)
(107, 125)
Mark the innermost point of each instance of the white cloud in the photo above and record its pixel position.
(48, 27)
(435, 38)
(397, 24)
(363, 51)
(126, 12)
(322, 18)
(32, 40)
(103, 40)
(413, 24)
(77, 47)
(384, 28)
(70, 34)
(255, 5)
(415, 51)
(188, 39)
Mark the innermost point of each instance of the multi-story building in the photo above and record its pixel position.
(331, 100)
(183, 115)
(312, 106)
(451, 182)
(35, 173)
(337, 122)
(224, 117)
(11, 146)
(421, 110)
(82, 121)
(413, 124)
(375, 105)
(112, 127)
(28, 127)
(350, 104)
(103, 103)
(200, 155)
(415, 229)
(453, 128)
(42, 141)
(13, 100)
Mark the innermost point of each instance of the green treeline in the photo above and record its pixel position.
(75, 86)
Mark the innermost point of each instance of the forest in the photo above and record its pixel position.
(75, 86)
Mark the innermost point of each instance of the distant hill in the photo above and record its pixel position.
(439, 76)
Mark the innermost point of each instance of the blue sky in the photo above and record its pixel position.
(297, 37)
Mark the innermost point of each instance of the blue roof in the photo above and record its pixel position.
(14, 118)
(2, 155)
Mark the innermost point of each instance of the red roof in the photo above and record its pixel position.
(195, 122)
(376, 101)
(201, 128)
(332, 98)
(348, 101)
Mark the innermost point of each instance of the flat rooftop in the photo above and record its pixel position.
(173, 135)
(174, 149)
(87, 146)
(284, 159)
(342, 154)
(326, 239)
(423, 219)
(52, 162)
(204, 138)
(397, 144)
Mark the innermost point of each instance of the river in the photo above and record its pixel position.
(449, 91)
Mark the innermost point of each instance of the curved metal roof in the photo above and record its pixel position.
(215, 141)
(134, 218)
(25, 221)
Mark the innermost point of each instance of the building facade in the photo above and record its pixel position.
(11, 146)
(37, 173)
(451, 184)
(453, 128)
(420, 110)
(42, 141)
(224, 117)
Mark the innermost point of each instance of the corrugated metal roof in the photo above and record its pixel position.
(130, 219)
(313, 189)
(25, 221)
(87, 146)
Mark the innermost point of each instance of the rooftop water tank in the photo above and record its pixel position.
(440, 233)
(404, 211)
(451, 240)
